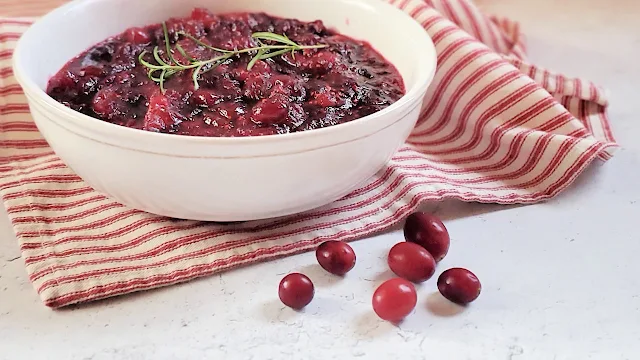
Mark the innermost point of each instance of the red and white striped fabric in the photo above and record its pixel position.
(496, 129)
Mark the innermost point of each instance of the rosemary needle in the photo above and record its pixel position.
(171, 66)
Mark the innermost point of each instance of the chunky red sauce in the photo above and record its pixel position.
(311, 89)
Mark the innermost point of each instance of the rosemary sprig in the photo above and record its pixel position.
(166, 68)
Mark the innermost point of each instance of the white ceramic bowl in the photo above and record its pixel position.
(223, 179)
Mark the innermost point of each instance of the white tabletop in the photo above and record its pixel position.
(560, 279)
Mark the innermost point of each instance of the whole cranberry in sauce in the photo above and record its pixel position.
(459, 285)
(394, 299)
(411, 261)
(336, 257)
(428, 231)
(296, 291)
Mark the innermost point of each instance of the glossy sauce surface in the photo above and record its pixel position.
(312, 89)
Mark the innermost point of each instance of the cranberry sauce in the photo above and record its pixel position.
(309, 89)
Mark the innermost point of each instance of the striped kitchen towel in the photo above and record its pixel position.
(495, 129)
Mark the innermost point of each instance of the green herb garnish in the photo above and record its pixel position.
(169, 67)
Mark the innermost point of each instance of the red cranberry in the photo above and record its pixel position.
(459, 285)
(229, 87)
(137, 35)
(286, 85)
(256, 86)
(194, 27)
(411, 261)
(105, 101)
(429, 232)
(326, 96)
(394, 299)
(260, 68)
(206, 98)
(62, 80)
(201, 14)
(319, 63)
(336, 257)
(296, 291)
(91, 70)
(271, 110)
(161, 114)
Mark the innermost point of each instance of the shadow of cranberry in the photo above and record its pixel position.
(379, 278)
(369, 326)
(438, 305)
(274, 311)
(320, 277)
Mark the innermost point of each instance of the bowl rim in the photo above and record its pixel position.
(424, 79)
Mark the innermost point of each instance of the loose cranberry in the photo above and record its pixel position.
(336, 257)
(412, 262)
(460, 286)
(394, 299)
(429, 232)
(296, 291)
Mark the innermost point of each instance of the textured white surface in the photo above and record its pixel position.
(560, 279)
